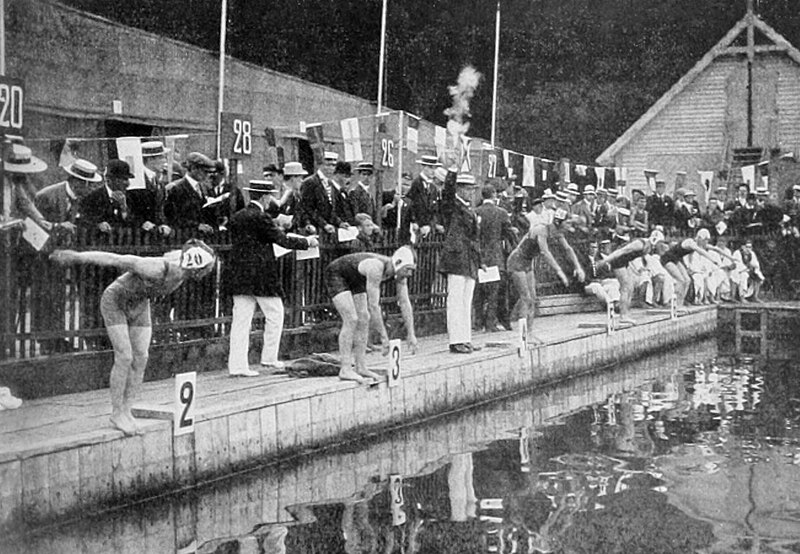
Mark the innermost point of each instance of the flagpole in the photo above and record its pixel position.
(382, 55)
(223, 28)
(496, 63)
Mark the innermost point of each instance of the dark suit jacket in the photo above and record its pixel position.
(252, 268)
(461, 251)
(425, 204)
(495, 230)
(319, 209)
(224, 210)
(96, 207)
(184, 207)
(660, 210)
(361, 202)
(390, 219)
(147, 204)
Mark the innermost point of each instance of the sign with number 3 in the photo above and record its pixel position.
(395, 362)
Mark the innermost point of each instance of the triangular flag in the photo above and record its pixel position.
(528, 174)
(351, 134)
(580, 169)
(706, 179)
(129, 150)
(412, 134)
(67, 156)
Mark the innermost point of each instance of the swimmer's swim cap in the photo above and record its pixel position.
(404, 257)
(196, 254)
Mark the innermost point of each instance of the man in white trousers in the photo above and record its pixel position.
(251, 276)
(460, 258)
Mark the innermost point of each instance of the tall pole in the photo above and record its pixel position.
(223, 29)
(496, 64)
(2, 37)
(382, 55)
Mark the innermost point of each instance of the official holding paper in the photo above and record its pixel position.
(251, 277)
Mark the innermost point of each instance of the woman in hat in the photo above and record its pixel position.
(125, 306)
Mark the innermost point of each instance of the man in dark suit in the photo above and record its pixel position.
(106, 208)
(396, 205)
(322, 199)
(425, 197)
(146, 206)
(460, 259)
(495, 229)
(291, 202)
(187, 196)
(360, 196)
(660, 207)
(225, 198)
(61, 205)
(251, 277)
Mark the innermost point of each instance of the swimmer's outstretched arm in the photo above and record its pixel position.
(149, 268)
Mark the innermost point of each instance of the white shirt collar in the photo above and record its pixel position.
(69, 190)
(260, 207)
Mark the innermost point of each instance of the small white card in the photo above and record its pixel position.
(35, 235)
(489, 275)
(284, 220)
(279, 250)
(345, 235)
(311, 254)
(721, 227)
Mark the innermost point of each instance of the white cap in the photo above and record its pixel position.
(656, 236)
(403, 257)
(196, 255)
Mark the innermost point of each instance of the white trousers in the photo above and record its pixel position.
(244, 306)
(459, 308)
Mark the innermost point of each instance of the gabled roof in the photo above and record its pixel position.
(723, 47)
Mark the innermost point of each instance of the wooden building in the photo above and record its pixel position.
(739, 105)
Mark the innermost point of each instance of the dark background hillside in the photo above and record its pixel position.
(574, 74)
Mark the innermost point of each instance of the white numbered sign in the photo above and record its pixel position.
(611, 318)
(673, 307)
(185, 399)
(522, 326)
(387, 154)
(236, 135)
(12, 98)
(395, 362)
(397, 500)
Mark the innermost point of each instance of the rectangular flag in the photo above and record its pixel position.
(528, 172)
(317, 142)
(601, 177)
(440, 141)
(129, 149)
(706, 179)
(749, 176)
(412, 134)
(352, 140)
(650, 176)
(565, 169)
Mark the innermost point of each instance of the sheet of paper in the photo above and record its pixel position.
(721, 227)
(279, 250)
(310, 254)
(211, 201)
(35, 235)
(489, 275)
(345, 235)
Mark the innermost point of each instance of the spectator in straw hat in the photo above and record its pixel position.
(360, 195)
(322, 199)
(460, 259)
(19, 165)
(251, 277)
(146, 206)
(291, 203)
(61, 203)
(585, 207)
(425, 196)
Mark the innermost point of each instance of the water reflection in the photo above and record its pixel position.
(670, 454)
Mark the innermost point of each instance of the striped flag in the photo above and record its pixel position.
(412, 134)
(351, 134)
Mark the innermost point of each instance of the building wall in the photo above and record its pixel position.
(75, 65)
(709, 116)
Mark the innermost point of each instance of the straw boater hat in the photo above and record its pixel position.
(548, 194)
(465, 179)
(153, 148)
(329, 156)
(365, 167)
(84, 170)
(572, 188)
(432, 161)
(589, 189)
(260, 185)
(291, 169)
(19, 159)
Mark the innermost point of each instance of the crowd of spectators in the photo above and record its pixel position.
(198, 198)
